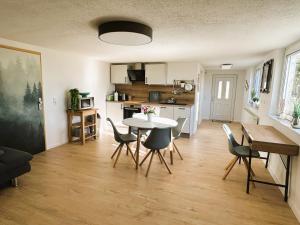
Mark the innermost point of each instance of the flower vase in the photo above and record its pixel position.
(296, 123)
(150, 117)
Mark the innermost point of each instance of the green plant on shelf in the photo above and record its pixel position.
(74, 94)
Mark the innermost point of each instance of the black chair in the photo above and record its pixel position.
(123, 139)
(239, 152)
(158, 139)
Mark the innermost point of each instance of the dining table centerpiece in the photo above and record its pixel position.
(149, 111)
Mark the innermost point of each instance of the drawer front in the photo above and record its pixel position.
(183, 112)
(166, 111)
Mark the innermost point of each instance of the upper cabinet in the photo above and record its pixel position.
(182, 71)
(118, 74)
(156, 73)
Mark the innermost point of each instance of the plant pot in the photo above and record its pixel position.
(150, 117)
(295, 123)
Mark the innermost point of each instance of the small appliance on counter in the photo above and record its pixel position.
(86, 103)
(154, 96)
(171, 101)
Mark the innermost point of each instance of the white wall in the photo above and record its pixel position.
(62, 71)
(208, 90)
(266, 112)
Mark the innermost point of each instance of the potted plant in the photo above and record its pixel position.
(149, 111)
(296, 116)
(254, 98)
(74, 97)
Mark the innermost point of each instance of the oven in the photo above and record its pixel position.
(128, 111)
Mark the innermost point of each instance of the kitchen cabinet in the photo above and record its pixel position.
(182, 71)
(114, 110)
(166, 111)
(118, 74)
(183, 112)
(156, 73)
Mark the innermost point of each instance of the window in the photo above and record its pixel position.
(291, 86)
(227, 90)
(256, 82)
(220, 89)
(254, 91)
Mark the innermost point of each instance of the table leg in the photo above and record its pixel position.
(138, 142)
(249, 171)
(286, 190)
(242, 143)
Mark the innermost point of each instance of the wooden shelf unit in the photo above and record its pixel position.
(83, 125)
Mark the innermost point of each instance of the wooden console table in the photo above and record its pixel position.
(268, 139)
(88, 129)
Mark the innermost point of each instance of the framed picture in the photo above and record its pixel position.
(21, 100)
(266, 76)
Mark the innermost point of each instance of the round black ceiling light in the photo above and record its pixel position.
(125, 33)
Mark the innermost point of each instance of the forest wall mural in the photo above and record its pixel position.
(21, 113)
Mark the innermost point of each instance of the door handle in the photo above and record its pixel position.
(40, 104)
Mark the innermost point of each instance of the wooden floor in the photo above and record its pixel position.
(72, 185)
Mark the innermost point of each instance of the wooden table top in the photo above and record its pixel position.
(267, 138)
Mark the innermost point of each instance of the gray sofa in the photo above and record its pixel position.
(13, 163)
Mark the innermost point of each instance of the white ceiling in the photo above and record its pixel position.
(209, 31)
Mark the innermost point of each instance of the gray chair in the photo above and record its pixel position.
(123, 139)
(176, 132)
(239, 152)
(158, 139)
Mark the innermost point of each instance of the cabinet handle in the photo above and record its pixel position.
(146, 80)
(162, 107)
(125, 79)
(181, 108)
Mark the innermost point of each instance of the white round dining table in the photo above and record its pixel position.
(140, 121)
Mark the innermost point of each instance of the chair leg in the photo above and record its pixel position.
(247, 166)
(230, 168)
(113, 155)
(160, 159)
(118, 155)
(229, 164)
(164, 161)
(131, 153)
(171, 157)
(239, 160)
(150, 162)
(267, 160)
(145, 158)
(177, 151)
(14, 182)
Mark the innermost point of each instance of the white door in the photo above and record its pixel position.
(155, 74)
(223, 97)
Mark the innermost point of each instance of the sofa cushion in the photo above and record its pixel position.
(2, 168)
(13, 158)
